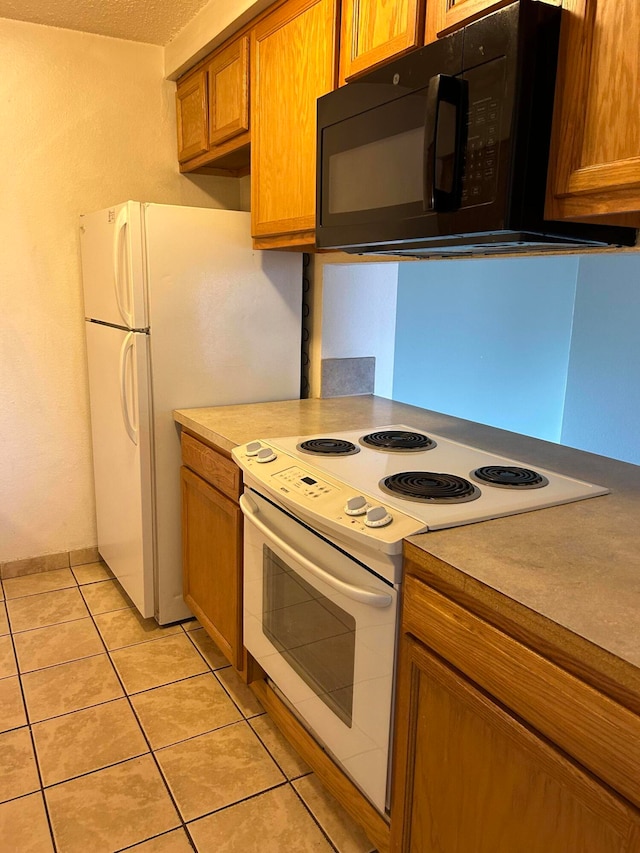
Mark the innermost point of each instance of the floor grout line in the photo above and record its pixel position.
(144, 734)
(316, 821)
(210, 670)
(159, 835)
(33, 743)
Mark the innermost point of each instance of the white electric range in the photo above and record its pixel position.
(341, 483)
(325, 516)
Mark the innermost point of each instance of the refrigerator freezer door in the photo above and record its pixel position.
(225, 329)
(118, 379)
(113, 266)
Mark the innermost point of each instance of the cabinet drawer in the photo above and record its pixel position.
(598, 732)
(211, 466)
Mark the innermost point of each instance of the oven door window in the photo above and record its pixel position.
(373, 164)
(314, 635)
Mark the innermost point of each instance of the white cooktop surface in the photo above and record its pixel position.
(363, 471)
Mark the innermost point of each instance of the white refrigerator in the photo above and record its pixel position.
(180, 312)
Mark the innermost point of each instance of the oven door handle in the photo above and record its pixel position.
(356, 593)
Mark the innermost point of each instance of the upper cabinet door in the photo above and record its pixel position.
(213, 113)
(444, 16)
(373, 32)
(595, 153)
(228, 74)
(191, 107)
(293, 63)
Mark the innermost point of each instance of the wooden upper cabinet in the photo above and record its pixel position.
(213, 113)
(191, 107)
(293, 63)
(228, 83)
(595, 150)
(444, 16)
(372, 32)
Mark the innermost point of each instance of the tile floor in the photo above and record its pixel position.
(116, 734)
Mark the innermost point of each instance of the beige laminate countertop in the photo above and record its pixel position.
(573, 568)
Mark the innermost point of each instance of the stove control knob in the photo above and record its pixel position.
(253, 447)
(378, 517)
(265, 454)
(357, 505)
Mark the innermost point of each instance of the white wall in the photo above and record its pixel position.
(213, 24)
(359, 316)
(87, 122)
(480, 338)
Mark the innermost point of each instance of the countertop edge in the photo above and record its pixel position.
(196, 428)
(598, 647)
(578, 655)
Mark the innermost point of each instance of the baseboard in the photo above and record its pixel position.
(49, 562)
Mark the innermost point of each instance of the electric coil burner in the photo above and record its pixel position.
(397, 440)
(509, 477)
(374, 487)
(425, 486)
(328, 447)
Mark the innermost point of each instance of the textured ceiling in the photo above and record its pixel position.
(151, 21)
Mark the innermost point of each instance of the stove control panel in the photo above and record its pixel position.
(317, 497)
(303, 483)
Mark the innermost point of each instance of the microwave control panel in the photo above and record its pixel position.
(480, 170)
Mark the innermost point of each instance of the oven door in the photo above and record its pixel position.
(323, 627)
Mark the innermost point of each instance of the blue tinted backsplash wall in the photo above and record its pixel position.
(545, 346)
(602, 402)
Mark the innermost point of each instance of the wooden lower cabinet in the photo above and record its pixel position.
(498, 747)
(212, 554)
(472, 777)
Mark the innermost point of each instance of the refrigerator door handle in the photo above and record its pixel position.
(122, 284)
(127, 347)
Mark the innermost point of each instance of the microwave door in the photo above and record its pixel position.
(372, 139)
(373, 164)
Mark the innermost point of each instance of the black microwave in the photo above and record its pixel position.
(445, 151)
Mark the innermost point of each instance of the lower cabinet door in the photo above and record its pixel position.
(471, 777)
(212, 569)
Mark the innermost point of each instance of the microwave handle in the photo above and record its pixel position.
(356, 593)
(450, 90)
